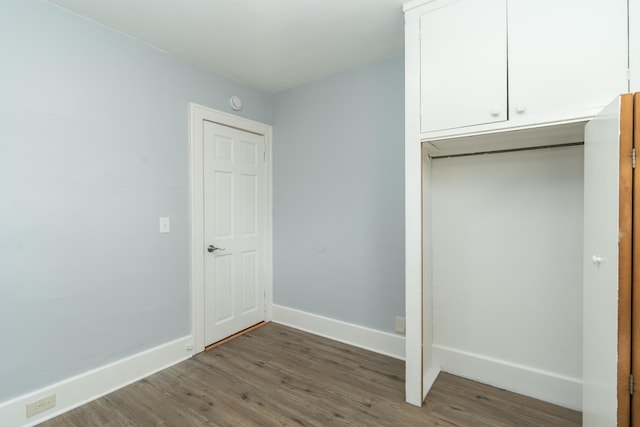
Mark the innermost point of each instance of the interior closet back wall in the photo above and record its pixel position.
(507, 260)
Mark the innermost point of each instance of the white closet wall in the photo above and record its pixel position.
(507, 270)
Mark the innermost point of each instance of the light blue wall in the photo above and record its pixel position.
(93, 149)
(339, 196)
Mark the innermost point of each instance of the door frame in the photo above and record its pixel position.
(634, 293)
(626, 271)
(199, 113)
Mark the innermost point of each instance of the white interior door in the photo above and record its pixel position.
(234, 228)
(604, 236)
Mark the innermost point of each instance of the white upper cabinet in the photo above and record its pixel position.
(565, 57)
(497, 64)
(463, 64)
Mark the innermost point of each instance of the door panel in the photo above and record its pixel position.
(223, 204)
(249, 282)
(625, 260)
(463, 64)
(607, 267)
(233, 211)
(249, 202)
(558, 62)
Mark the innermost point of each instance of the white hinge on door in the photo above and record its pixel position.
(633, 158)
(631, 384)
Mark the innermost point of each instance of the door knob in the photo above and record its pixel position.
(212, 248)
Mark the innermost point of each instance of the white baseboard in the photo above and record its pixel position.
(359, 336)
(428, 379)
(83, 388)
(543, 385)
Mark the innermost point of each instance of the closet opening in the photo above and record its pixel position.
(502, 261)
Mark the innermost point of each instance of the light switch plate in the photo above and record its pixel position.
(165, 225)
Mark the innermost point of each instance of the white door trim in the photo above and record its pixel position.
(198, 113)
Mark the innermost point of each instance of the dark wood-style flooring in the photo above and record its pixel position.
(278, 376)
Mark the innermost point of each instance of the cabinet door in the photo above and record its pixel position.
(565, 56)
(463, 64)
(608, 267)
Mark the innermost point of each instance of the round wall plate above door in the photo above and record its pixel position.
(235, 102)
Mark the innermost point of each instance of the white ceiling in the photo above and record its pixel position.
(270, 45)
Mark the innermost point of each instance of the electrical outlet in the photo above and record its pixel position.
(400, 324)
(41, 405)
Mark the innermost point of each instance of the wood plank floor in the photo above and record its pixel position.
(278, 376)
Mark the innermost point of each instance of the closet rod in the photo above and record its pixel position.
(510, 150)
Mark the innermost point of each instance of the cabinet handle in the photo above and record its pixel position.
(495, 112)
(520, 109)
(597, 260)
